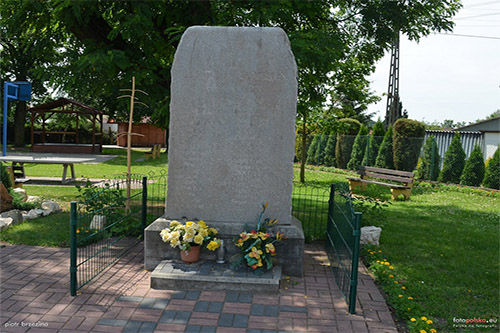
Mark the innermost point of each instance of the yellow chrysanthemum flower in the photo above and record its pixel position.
(175, 235)
(188, 237)
(189, 223)
(203, 233)
(174, 224)
(424, 318)
(198, 239)
(391, 267)
(429, 321)
(409, 297)
(202, 224)
(212, 231)
(387, 263)
(213, 245)
(432, 330)
(413, 320)
(175, 242)
(423, 331)
(400, 295)
(391, 276)
(403, 287)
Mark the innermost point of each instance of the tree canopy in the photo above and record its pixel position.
(93, 48)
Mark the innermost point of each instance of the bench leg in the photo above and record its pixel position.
(397, 192)
(354, 183)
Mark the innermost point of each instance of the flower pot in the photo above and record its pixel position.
(191, 255)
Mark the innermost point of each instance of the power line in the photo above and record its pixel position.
(468, 17)
(481, 4)
(471, 36)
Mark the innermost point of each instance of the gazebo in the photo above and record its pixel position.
(79, 110)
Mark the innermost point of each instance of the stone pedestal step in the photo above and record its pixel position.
(208, 275)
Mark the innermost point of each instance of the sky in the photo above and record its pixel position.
(447, 76)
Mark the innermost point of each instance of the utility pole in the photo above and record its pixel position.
(393, 109)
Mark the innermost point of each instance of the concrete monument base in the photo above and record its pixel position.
(290, 251)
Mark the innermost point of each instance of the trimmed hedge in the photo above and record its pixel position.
(358, 149)
(492, 173)
(345, 139)
(473, 173)
(454, 162)
(429, 167)
(385, 154)
(407, 140)
(311, 152)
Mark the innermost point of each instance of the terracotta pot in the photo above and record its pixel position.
(191, 255)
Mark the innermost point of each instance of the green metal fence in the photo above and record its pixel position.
(342, 244)
(310, 207)
(109, 220)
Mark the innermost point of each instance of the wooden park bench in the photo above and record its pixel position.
(154, 152)
(402, 181)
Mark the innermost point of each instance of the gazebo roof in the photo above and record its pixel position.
(61, 103)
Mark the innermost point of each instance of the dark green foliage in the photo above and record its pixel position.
(473, 173)
(329, 158)
(320, 150)
(408, 137)
(429, 168)
(345, 140)
(385, 155)
(5, 177)
(18, 203)
(358, 149)
(454, 162)
(311, 152)
(492, 173)
(373, 144)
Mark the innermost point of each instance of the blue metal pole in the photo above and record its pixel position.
(5, 101)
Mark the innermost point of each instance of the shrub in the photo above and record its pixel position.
(345, 139)
(473, 173)
(5, 177)
(374, 144)
(429, 166)
(454, 162)
(492, 173)
(385, 155)
(320, 150)
(329, 158)
(408, 137)
(358, 149)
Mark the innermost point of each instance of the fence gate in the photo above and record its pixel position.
(342, 244)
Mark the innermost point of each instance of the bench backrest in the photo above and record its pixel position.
(388, 174)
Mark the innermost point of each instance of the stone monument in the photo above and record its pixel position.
(232, 131)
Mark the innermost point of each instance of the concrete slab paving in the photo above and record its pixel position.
(34, 297)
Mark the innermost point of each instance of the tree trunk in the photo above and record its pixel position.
(303, 152)
(19, 123)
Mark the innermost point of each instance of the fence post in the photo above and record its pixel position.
(73, 248)
(331, 202)
(144, 212)
(355, 258)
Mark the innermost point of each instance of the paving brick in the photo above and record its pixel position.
(162, 328)
(175, 317)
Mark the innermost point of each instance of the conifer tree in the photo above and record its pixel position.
(329, 158)
(385, 155)
(454, 162)
(492, 173)
(358, 149)
(373, 144)
(311, 151)
(429, 167)
(473, 174)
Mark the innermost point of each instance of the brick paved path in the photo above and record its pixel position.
(35, 291)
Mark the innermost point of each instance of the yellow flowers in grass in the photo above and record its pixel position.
(413, 320)
(190, 234)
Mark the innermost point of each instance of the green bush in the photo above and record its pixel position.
(4, 176)
(492, 173)
(374, 144)
(385, 155)
(320, 150)
(429, 166)
(408, 137)
(454, 162)
(329, 157)
(473, 173)
(345, 139)
(358, 149)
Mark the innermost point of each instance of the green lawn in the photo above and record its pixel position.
(117, 165)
